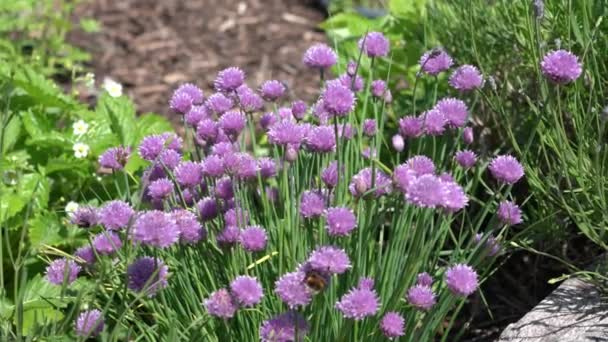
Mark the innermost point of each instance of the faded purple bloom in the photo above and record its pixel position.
(223, 189)
(329, 175)
(267, 167)
(403, 176)
(155, 228)
(147, 274)
(298, 109)
(320, 56)
(421, 297)
(221, 304)
(286, 327)
(329, 259)
(455, 198)
(434, 122)
(272, 90)
(219, 103)
(233, 122)
(509, 213)
(207, 129)
(106, 243)
(467, 135)
(426, 191)
(362, 182)
(466, 78)
(253, 238)
(151, 146)
(435, 61)
(89, 323)
(341, 221)
(351, 68)
(539, 8)
(160, 188)
(249, 100)
(359, 303)
(454, 110)
(466, 158)
(321, 139)
(207, 208)
(378, 88)
(85, 217)
(392, 325)
(369, 127)
(115, 158)
(229, 79)
(398, 143)
(491, 245)
(421, 165)
(61, 270)
(312, 204)
(189, 174)
(424, 279)
(506, 169)
(196, 114)
(374, 44)
(461, 279)
(410, 127)
(561, 66)
(247, 291)
(87, 254)
(338, 100)
(115, 215)
(292, 289)
(236, 217)
(190, 230)
(286, 133)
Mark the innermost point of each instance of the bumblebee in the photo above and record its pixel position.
(315, 280)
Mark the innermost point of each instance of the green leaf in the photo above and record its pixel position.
(407, 8)
(120, 114)
(151, 124)
(41, 300)
(345, 25)
(42, 90)
(11, 133)
(44, 229)
(30, 187)
(90, 25)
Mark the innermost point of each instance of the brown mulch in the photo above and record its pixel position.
(153, 46)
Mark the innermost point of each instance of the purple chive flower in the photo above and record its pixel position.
(229, 80)
(434, 122)
(358, 303)
(454, 110)
(509, 213)
(236, 217)
(351, 68)
(312, 204)
(461, 280)
(392, 325)
(247, 291)
(421, 165)
(87, 254)
(466, 158)
(329, 259)
(242, 165)
(221, 304)
(285, 113)
(421, 297)
(346, 131)
(267, 167)
(190, 230)
(115, 215)
(155, 228)
(467, 135)
(329, 175)
(368, 152)
(340, 221)
(321, 139)
(213, 166)
(491, 245)
(561, 66)
(272, 90)
(286, 133)
(147, 274)
(298, 109)
(249, 100)
(195, 115)
(398, 143)
(403, 176)
(89, 323)
(151, 146)
(207, 130)
(172, 141)
(62, 269)
(229, 236)
(455, 198)
(170, 159)
(85, 217)
(424, 279)
(267, 120)
(233, 123)
(369, 127)
(506, 169)
(207, 208)
(223, 148)
(374, 44)
(115, 158)
(194, 92)
(320, 56)
(223, 189)
(286, 327)
(189, 174)
(338, 100)
(160, 188)
(435, 61)
(410, 127)
(347, 81)
(378, 88)
(466, 78)
(219, 103)
(446, 177)
(106, 243)
(362, 182)
(426, 191)
(319, 112)
(180, 102)
(253, 239)
(189, 197)
(292, 289)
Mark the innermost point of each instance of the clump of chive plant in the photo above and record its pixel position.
(274, 220)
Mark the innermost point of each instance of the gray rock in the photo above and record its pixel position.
(575, 311)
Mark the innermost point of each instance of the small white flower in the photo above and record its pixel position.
(80, 127)
(112, 87)
(71, 207)
(81, 150)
